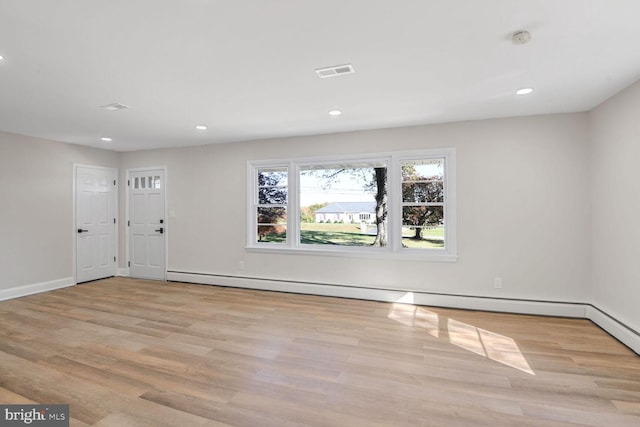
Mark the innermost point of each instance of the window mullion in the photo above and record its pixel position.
(293, 219)
(394, 206)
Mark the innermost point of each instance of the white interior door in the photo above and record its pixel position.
(95, 223)
(147, 225)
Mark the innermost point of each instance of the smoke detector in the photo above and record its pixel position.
(521, 37)
(336, 70)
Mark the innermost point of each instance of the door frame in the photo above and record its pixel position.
(74, 231)
(128, 218)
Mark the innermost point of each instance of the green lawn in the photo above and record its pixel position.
(334, 234)
(350, 235)
(431, 238)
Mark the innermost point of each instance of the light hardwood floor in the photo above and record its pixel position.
(125, 352)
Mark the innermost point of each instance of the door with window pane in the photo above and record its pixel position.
(147, 225)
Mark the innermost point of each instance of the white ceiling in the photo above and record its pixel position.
(246, 68)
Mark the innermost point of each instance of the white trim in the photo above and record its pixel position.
(116, 213)
(36, 288)
(123, 272)
(166, 216)
(355, 252)
(544, 308)
(607, 322)
(293, 216)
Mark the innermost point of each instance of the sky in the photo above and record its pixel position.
(347, 188)
(344, 189)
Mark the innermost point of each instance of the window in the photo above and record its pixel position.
(154, 182)
(393, 205)
(423, 203)
(334, 193)
(270, 205)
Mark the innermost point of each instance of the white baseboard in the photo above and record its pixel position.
(421, 298)
(36, 288)
(623, 333)
(122, 272)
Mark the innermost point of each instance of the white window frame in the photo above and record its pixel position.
(394, 250)
(253, 205)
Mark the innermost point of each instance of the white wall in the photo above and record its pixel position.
(523, 204)
(36, 210)
(615, 193)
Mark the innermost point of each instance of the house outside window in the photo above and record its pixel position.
(347, 211)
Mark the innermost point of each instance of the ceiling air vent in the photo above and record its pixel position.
(336, 70)
(114, 107)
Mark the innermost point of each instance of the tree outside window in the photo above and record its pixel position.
(272, 205)
(423, 198)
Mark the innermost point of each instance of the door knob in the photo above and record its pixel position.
(161, 230)
(80, 230)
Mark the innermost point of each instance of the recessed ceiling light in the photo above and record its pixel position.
(116, 106)
(106, 139)
(1, 57)
(335, 112)
(201, 127)
(524, 91)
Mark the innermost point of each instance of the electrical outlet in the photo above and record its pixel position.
(241, 265)
(497, 283)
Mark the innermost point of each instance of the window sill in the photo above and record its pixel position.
(363, 252)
